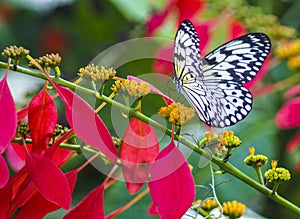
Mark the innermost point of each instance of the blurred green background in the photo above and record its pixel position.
(80, 29)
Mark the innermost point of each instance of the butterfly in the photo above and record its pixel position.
(213, 85)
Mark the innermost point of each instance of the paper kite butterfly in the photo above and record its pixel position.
(213, 85)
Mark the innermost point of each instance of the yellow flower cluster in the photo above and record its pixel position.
(233, 209)
(117, 85)
(15, 52)
(49, 60)
(255, 160)
(277, 174)
(209, 137)
(209, 204)
(288, 49)
(291, 51)
(177, 113)
(93, 73)
(132, 87)
(270, 25)
(229, 140)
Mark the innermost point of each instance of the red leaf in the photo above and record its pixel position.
(16, 155)
(8, 114)
(138, 151)
(59, 155)
(171, 185)
(152, 210)
(13, 159)
(86, 123)
(4, 172)
(90, 207)
(5, 200)
(49, 179)
(37, 207)
(42, 119)
(21, 114)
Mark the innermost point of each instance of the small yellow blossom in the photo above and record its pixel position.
(15, 52)
(49, 60)
(191, 167)
(229, 140)
(209, 137)
(288, 49)
(277, 174)
(209, 204)
(206, 205)
(255, 160)
(118, 84)
(293, 63)
(136, 89)
(177, 113)
(93, 73)
(233, 209)
(280, 31)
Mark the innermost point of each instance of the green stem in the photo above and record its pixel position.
(259, 175)
(225, 166)
(275, 188)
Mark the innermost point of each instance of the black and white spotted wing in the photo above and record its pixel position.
(214, 85)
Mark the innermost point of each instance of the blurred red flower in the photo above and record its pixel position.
(54, 40)
(288, 117)
(185, 9)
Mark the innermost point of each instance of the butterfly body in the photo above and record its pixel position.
(213, 85)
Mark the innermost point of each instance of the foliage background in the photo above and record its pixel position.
(80, 29)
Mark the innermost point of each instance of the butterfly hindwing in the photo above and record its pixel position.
(214, 85)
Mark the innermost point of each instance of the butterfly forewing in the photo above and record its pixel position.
(186, 57)
(238, 60)
(213, 85)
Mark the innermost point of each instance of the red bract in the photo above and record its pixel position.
(45, 206)
(138, 151)
(152, 209)
(90, 207)
(15, 160)
(48, 179)
(171, 184)
(42, 119)
(5, 198)
(4, 172)
(86, 123)
(8, 114)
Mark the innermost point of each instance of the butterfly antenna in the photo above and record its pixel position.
(192, 136)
